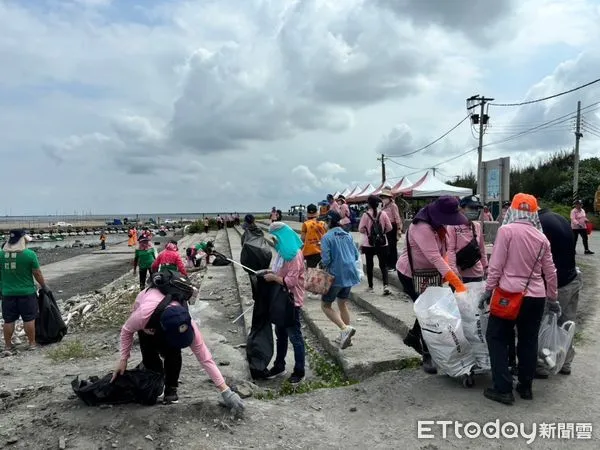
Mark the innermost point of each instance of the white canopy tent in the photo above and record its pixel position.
(357, 197)
(430, 186)
(402, 184)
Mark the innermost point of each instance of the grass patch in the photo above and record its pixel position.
(410, 363)
(72, 350)
(331, 374)
(578, 339)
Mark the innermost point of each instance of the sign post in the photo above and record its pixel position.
(496, 188)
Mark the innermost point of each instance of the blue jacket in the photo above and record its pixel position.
(339, 256)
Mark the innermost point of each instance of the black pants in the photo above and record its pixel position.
(370, 253)
(103, 245)
(205, 229)
(312, 260)
(409, 289)
(584, 238)
(153, 348)
(472, 279)
(143, 277)
(392, 253)
(499, 334)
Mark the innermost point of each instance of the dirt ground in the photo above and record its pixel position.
(39, 410)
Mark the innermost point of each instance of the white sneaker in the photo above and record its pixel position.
(346, 337)
(338, 339)
(386, 291)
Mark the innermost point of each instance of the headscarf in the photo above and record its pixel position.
(144, 243)
(171, 246)
(287, 242)
(524, 208)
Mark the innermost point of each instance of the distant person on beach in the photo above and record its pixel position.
(333, 205)
(219, 222)
(144, 257)
(132, 237)
(103, 240)
(579, 222)
(273, 216)
(19, 266)
(169, 259)
(503, 211)
(206, 225)
(346, 222)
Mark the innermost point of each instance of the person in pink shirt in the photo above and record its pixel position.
(165, 327)
(169, 259)
(423, 261)
(503, 211)
(344, 212)
(466, 244)
(579, 222)
(391, 209)
(486, 214)
(369, 246)
(333, 205)
(521, 263)
(288, 270)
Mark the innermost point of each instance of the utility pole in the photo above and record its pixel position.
(382, 159)
(578, 136)
(482, 119)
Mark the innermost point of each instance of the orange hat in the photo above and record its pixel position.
(524, 202)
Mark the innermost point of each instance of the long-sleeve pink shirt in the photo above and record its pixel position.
(345, 213)
(334, 206)
(145, 304)
(458, 237)
(169, 258)
(292, 273)
(515, 251)
(578, 219)
(391, 209)
(366, 223)
(486, 216)
(427, 250)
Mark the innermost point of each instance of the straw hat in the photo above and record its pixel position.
(386, 192)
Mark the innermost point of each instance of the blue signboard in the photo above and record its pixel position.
(493, 185)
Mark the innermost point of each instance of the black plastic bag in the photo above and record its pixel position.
(134, 386)
(220, 261)
(256, 253)
(259, 345)
(49, 325)
(281, 306)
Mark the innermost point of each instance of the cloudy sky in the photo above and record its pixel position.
(125, 106)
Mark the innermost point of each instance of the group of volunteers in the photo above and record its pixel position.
(533, 259)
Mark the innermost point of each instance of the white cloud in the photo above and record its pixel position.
(286, 100)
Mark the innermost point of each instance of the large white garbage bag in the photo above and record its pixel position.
(554, 342)
(441, 324)
(474, 322)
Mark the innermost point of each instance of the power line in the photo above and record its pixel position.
(404, 165)
(433, 142)
(529, 102)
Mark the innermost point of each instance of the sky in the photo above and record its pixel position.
(134, 106)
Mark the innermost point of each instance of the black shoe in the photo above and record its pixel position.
(507, 398)
(296, 377)
(514, 371)
(541, 376)
(428, 365)
(524, 391)
(414, 342)
(589, 252)
(565, 371)
(275, 372)
(170, 395)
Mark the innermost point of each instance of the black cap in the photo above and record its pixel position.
(333, 218)
(311, 209)
(249, 219)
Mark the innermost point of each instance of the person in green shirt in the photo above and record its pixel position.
(205, 247)
(145, 255)
(19, 266)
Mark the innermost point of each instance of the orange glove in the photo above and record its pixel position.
(455, 282)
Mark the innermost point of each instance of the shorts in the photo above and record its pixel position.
(312, 260)
(24, 306)
(336, 292)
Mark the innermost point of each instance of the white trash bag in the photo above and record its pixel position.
(359, 268)
(441, 325)
(554, 342)
(474, 322)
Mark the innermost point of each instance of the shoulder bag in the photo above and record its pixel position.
(470, 254)
(422, 278)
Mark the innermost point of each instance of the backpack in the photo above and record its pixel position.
(377, 236)
(470, 254)
(175, 287)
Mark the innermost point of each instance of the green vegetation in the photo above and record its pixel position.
(72, 350)
(330, 374)
(551, 179)
(578, 339)
(198, 226)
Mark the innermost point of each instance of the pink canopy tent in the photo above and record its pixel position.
(400, 185)
(356, 198)
(379, 189)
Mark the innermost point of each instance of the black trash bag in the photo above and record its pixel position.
(220, 261)
(134, 386)
(259, 345)
(49, 325)
(256, 253)
(281, 306)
